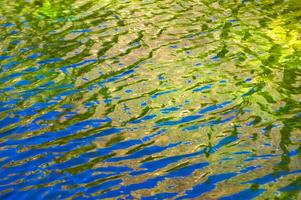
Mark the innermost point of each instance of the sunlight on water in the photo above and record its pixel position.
(153, 99)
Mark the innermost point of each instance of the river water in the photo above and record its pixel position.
(153, 99)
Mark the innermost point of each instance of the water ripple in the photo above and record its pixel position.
(150, 99)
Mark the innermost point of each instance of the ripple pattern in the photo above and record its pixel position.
(152, 99)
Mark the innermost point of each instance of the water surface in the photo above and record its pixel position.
(165, 99)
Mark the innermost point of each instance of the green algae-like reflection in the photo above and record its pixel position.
(153, 99)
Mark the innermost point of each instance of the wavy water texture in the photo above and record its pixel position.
(153, 99)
